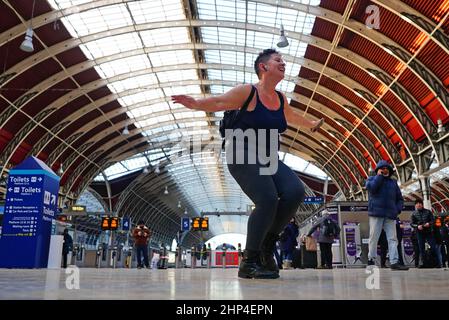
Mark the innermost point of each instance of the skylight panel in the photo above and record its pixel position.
(183, 115)
(62, 4)
(112, 45)
(216, 89)
(135, 163)
(165, 36)
(115, 169)
(154, 120)
(156, 10)
(189, 89)
(133, 82)
(140, 97)
(100, 19)
(125, 65)
(168, 58)
(149, 109)
(177, 75)
(285, 86)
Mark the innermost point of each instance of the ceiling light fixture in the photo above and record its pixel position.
(27, 44)
(145, 170)
(282, 42)
(179, 204)
(125, 131)
(166, 190)
(157, 170)
(441, 128)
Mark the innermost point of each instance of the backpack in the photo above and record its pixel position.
(331, 228)
(231, 117)
(283, 236)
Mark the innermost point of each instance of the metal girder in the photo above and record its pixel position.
(429, 78)
(313, 147)
(415, 109)
(352, 85)
(332, 115)
(369, 123)
(393, 121)
(417, 20)
(354, 171)
(8, 152)
(112, 143)
(323, 13)
(443, 150)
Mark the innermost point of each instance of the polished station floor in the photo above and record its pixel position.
(219, 284)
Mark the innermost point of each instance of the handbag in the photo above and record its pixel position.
(311, 244)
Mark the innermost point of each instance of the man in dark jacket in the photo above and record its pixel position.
(384, 205)
(422, 221)
(326, 238)
(445, 238)
(288, 243)
(67, 246)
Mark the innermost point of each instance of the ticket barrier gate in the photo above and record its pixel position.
(223, 258)
(193, 258)
(178, 258)
(113, 256)
(78, 254)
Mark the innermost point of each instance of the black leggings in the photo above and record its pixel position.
(276, 198)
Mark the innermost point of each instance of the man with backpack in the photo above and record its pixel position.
(329, 230)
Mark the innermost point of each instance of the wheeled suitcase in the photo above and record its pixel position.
(429, 259)
(308, 258)
(296, 258)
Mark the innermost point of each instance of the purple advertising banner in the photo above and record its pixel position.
(351, 246)
(407, 238)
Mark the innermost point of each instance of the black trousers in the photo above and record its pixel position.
(64, 259)
(142, 250)
(326, 254)
(276, 198)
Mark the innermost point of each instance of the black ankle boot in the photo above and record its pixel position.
(267, 252)
(250, 267)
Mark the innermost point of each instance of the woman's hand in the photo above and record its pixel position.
(317, 124)
(186, 101)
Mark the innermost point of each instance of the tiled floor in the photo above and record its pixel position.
(219, 284)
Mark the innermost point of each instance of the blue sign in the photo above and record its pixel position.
(125, 224)
(185, 224)
(30, 208)
(313, 200)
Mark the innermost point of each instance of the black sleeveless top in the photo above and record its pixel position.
(263, 119)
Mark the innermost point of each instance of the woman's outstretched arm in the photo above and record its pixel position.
(231, 100)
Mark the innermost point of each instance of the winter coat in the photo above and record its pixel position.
(322, 238)
(421, 217)
(444, 230)
(141, 235)
(384, 196)
(67, 245)
(288, 237)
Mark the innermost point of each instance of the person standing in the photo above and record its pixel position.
(67, 246)
(329, 230)
(274, 188)
(141, 236)
(385, 203)
(422, 221)
(289, 243)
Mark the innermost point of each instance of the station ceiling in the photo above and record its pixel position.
(376, 71)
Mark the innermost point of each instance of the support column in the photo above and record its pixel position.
(326, 184)
(424, 182)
